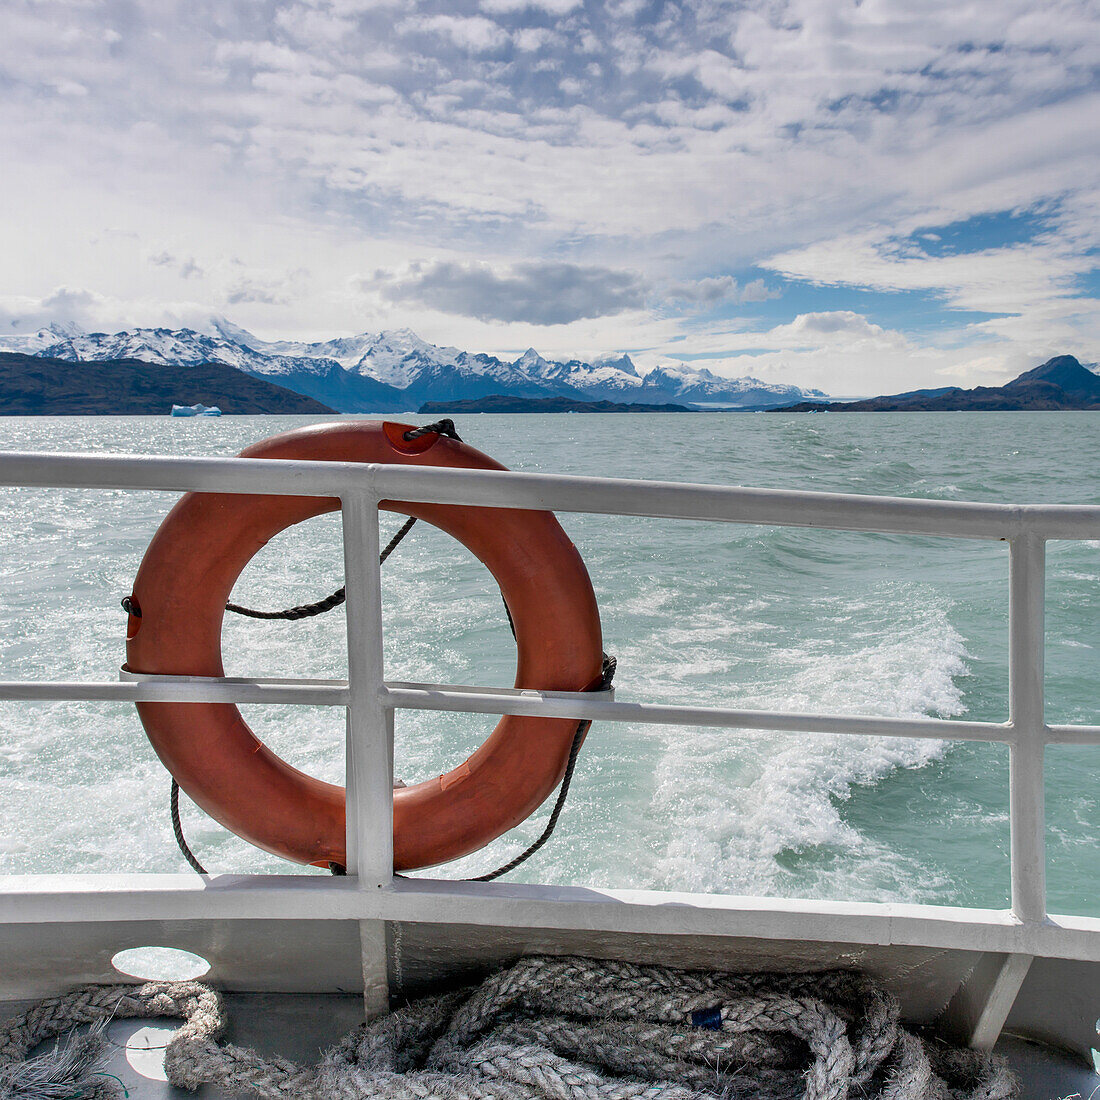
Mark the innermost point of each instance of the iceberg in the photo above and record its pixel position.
(196, 410)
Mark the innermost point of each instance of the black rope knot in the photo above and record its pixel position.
(440, 427)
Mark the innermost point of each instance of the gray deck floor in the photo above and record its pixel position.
(300, 1027)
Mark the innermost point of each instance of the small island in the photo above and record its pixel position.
(502, 403)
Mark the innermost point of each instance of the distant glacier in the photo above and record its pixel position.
(396, 371)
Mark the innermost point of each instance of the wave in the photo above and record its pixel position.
(760, 812)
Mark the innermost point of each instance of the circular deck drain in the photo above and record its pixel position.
(160, 964)
(143, 1045)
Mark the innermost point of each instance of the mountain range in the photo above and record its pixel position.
(1059, 383)
(396, 371)
(499, 403)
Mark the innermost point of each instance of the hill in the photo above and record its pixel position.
(500, 403)
(1059, 383)
(31, 385)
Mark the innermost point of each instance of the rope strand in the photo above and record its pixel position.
(609, 666)
(177, 829)
(308, 610)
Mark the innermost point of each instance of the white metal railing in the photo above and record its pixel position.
(372, 893)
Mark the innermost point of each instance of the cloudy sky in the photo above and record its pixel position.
(858, 196)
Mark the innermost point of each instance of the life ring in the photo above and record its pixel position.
(179, 598)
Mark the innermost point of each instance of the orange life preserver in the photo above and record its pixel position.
(181, 590)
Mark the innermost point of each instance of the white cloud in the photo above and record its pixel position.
(254, 290)
(64, 305)
(94, 312)
(70, 88)
(186, 266)
(839, 351)
(758, 291)
(508, 7)
(721, 288)
(997, 280)
(841, 322)
(530, 39)
(1034, 285)
(467, 32)
(536, 292)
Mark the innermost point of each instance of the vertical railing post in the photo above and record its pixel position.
(1027, 642)
(369, 767)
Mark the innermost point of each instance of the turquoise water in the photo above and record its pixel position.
(711, 614)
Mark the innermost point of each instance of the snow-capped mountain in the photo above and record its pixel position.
(395, 370)
(320, 376)
(169, 347)
(699, 386)
(608, 378)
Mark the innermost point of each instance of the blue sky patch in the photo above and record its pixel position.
(1088, 285)
(982, 232)
(917, 312)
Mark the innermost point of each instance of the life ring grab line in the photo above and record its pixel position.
(232, 776)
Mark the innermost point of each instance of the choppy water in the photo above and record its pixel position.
(698, 613)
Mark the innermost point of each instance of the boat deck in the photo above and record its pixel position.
(302, 1026)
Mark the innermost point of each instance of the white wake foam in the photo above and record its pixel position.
(759, 812)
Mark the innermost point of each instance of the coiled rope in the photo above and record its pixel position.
(560, 1029)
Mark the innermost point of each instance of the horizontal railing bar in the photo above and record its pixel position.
(614, 496)
(580, 705)
(173, 690)
(78, 899)
(596, 705)
(279, 477)
(799, 919)
(735, 504)
(1073, 735)
(505, 693)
